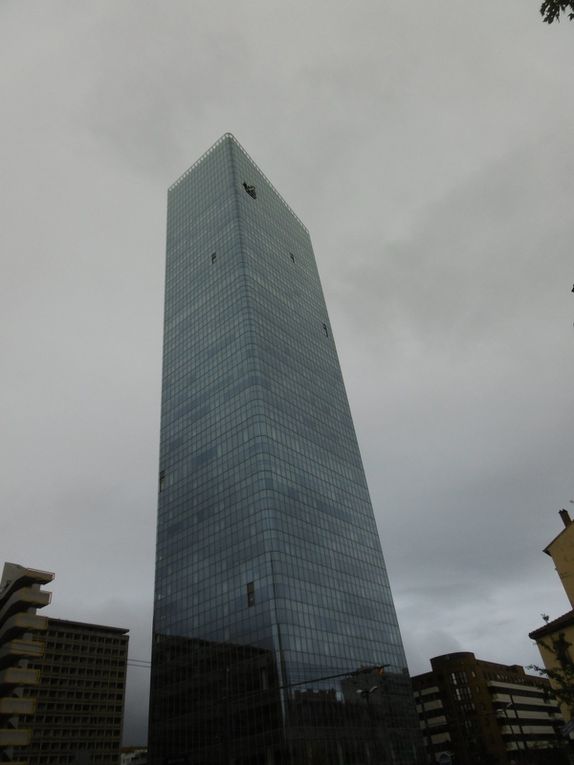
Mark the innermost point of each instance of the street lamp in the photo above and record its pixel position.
(512, 705)
(366, 694)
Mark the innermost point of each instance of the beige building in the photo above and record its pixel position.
(561, 550)
(22, 641)
(555, 639)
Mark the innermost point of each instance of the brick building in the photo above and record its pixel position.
(475, 712)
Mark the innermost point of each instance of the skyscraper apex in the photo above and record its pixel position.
(272, 608)
(229, 137)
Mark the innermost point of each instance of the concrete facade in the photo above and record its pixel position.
(22, 633)
(80, 697)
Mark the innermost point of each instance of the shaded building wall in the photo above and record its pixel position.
(561, 550)
(555, 639)
(555, 644)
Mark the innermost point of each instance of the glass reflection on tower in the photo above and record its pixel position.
(272, 602)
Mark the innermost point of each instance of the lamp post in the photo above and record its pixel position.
(366, 693)
(522, 738)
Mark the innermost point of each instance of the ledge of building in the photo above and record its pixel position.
(566, 620)
(67, 623)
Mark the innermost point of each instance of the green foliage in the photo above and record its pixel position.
(550, 10)
(562, 675)
(562, 683)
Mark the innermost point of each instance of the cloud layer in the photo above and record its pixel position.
(428, 149)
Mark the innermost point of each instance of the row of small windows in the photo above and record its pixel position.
(73, 731)
(96, 716)
(82, 693)
(55, 637)
(57, 759)
(108, 656)
(74, 746)
(94, 667)
(60, 759)
(52, 687)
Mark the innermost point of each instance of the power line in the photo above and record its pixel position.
(142, 663)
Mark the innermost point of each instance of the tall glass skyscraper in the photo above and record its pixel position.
(273, 614)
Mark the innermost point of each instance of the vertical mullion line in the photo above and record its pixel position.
(280, 662)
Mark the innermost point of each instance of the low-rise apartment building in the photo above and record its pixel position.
(473, 711)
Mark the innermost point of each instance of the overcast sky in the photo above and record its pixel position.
(428, 147)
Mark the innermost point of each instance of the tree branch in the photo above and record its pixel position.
(550, 10)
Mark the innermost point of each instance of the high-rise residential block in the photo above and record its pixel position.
(273, 612)
(80, 697)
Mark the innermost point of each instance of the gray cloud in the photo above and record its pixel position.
(428, 149)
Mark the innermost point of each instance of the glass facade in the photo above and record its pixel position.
(272, 603)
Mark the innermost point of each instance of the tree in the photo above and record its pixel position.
(561, 675)
(550, 10)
